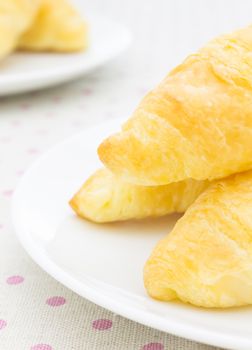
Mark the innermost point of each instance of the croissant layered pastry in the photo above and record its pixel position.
(188, 148)
(58, 27)
(16, 16)
(104, 197)
(207, 258)
(41, 25)
(201, 109)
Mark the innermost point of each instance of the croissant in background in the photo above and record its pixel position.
(57, 27)
(105, 198)
(207, 259)
(200, 110)
(16, 16)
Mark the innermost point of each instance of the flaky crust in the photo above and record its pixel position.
(16, 16)
(207, 259)
(196, 124)
(57, 27)
(106, 198)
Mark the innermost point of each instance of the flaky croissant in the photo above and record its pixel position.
(16, 16)
(58, 27)
(106, 198)
(207, 259)
(200, 111)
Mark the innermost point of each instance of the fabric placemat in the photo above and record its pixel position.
(36, 312)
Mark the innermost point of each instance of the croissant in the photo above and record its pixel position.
(201, 109)
(106, 198)
(16, 16)
(207, 259)
(58, 27)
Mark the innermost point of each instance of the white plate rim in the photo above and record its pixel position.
(172, 326)
(25, 82)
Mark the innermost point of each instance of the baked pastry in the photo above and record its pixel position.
(106, 198)
(200, 110)
(58, 27)
(16, 16)
(207, 259)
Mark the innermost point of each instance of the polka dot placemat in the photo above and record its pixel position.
(36, 312)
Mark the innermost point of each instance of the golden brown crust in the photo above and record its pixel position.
(196, 124)
(16, 17)
(106, 198)
(57, 27)
(207, 259)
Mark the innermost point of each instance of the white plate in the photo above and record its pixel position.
(104, 263)
(22, 72)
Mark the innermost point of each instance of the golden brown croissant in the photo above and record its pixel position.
(196, 124)
(207, 259)
(16, 16)
(106, 198)
(58, 27)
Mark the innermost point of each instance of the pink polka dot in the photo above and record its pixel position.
(7, 193)
(41, 347)
(32, 151)
(49, 114)
(5, 139)
(15, 280)
(56, 99)
(15, 123)
(3, 324)
(102, 324)
(56, 301)
(24, 106)
(20, 172)
(87, 92)
(153, 346)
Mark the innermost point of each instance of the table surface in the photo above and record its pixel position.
(36, 312)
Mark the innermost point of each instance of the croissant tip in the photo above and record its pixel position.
(73, 204)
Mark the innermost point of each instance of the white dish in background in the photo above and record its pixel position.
(26, 71)
(103, 263)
